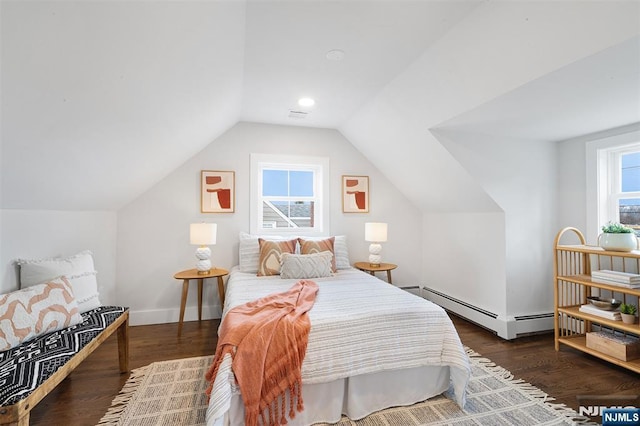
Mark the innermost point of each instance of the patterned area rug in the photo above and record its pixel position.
(172, 393)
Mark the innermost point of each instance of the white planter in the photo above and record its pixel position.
(618, 242)
(628, 318)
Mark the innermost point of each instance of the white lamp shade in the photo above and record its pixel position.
(203, 234)
(375, 232)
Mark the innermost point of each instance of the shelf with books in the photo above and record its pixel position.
(574, 317)
(575, 313)
(616, 278)
(588, 281)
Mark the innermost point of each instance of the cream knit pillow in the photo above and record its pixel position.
(303, 266)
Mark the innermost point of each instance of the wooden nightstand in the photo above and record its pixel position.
(383, 267)
(192, 274)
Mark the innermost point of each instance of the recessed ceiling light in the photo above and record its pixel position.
(306, 102)
(335, 55)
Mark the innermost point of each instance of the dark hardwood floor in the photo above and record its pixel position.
(86, 394)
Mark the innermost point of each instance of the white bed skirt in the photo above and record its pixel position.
(357, 396)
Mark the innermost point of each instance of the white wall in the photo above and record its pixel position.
(577, 177)
(153, 239)
(37, 234)
(520, 176)
(572, 187)
(464, 257)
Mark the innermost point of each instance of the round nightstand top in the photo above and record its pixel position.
(192, 274)
(366, 266)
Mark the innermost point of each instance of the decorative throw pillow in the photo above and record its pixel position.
(270, 251)
(308, 246)
(78, 269)
(303, 266)
(36, 310)
(249, 251)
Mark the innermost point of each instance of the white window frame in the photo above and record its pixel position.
(320, 167)
(601, 175)
(612, 176)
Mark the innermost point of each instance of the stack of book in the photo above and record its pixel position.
(590, 309)
(621, 279)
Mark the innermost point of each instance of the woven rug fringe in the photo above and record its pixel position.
(120, 402)
(531, 390)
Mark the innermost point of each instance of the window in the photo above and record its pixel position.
(619, 184)
(288, 194)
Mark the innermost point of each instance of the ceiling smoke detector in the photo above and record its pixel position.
(298, 114)
(335, 55)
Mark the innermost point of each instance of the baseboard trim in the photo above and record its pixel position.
(164, 316)
(506, 327)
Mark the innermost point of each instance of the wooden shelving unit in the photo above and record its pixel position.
(573, 284)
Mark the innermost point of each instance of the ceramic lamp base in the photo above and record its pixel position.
(203, 265)
(374, 254)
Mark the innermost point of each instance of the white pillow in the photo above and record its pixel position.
(249, 250)
(301, 266)
(78, 269)
(341, 252)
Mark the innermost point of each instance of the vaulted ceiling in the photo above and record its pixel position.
(100, 100)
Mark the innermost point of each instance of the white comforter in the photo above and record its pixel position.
(359, 325)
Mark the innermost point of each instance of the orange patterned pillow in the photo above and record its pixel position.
(36, 310)
(317, 246)
(270, 251)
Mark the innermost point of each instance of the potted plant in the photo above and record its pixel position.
(628, 313)
(617, 237)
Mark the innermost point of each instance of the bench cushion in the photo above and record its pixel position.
(26, 366)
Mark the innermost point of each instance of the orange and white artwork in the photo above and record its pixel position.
(355, 194)
(217, 192)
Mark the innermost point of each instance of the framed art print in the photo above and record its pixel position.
(217, 194)
(355, 194)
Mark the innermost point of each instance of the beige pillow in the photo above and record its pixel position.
(36, 310)
(270, 252)
(303, 266)
(317, 246)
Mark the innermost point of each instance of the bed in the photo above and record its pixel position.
(371, 346)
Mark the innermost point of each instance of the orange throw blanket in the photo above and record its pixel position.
(267, 339)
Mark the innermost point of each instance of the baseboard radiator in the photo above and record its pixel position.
(506, 327)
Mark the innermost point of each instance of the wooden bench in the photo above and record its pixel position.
(18, 412)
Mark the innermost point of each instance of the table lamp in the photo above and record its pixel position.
(203, 235)
(375, 233)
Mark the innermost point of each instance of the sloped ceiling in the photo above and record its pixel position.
(601, 91)
(287, 42)
(100, 100)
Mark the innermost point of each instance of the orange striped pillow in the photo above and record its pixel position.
(270, 251)
(317, 246)
(36, 310)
